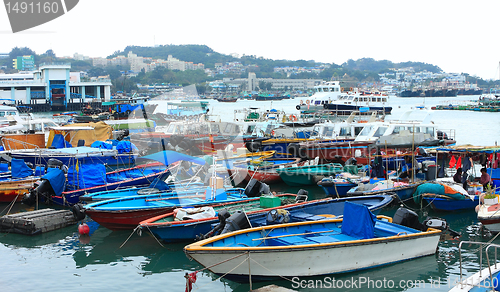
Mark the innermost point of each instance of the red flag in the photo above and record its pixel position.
(459, 163)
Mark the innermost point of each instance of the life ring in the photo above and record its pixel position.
(301, 101)
(297, 107)
(308, 101)
(350, 89)
(293, 118)
(341, 89)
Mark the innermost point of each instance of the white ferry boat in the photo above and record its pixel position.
(324, 93)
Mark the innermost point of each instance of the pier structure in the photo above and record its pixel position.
(54, 88)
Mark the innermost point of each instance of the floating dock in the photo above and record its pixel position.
(36, 222)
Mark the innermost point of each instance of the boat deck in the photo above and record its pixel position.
(306, 235)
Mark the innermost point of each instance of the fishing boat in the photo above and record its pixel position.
(128, 212)
(404, 190)
(487, 278)
(489, 216)
(81, 142)
(177, 176)
(309, 173)
(357, 241)
(187, 223)
(339, 185)
(263, 170)
(89, 179)
(445, 195)
(165, 227)
(17, 182)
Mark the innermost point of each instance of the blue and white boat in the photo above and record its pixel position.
(357, 241)
(167, 229)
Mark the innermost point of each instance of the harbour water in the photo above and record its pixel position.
(62, 261)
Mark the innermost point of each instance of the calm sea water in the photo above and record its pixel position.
(62, 261)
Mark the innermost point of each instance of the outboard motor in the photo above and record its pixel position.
(237, 221)
(409, 218)
(222, 215)
(277, 216)
(41, 188)
(256, 188)
(302, 196)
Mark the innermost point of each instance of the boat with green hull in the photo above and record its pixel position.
(308, 174)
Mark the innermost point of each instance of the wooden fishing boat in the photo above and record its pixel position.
(91, 179)
(127, 213)
(16, 183)
(263, 171)
(308, 174)
(445, 195)
(339, 186)
(171, 227)
(357, 241)
(403, 190)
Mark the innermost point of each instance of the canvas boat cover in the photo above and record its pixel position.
(56, 179)
(90, 132)
(85, 175)
(19, 169)
(358, 221)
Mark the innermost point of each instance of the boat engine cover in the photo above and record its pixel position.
(408, 218)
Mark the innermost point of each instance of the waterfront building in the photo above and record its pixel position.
(54, 88)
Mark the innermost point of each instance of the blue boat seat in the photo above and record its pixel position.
(323, 239)
(289, 240)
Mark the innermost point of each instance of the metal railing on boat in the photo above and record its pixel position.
(482, 245)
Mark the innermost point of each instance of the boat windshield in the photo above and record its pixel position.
(380, 131)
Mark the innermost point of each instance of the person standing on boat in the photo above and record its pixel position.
(485, 178)
(458, 176)
(466, 165)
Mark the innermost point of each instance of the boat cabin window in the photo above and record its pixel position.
(380, 132)
(379, 99)
(384, 99)
(227, 128)
(171, 129)
(178, 129)
(204, 129)
(250, 129)
(429, 130)
(366, 130)
(317, 102)
(236, 129)
(357, 130)
(356, 99)
(398, 130)
(345, 131)
(327, 131)
(214, 128)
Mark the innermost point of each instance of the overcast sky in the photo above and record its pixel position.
(458, 36)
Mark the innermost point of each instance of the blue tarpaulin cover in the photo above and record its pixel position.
(168, 157)
(125, 147)
(56, 179)
(101, 145)
(358, 221)
(86, 176)
(19, 169)
(4, 167)
(59, 142)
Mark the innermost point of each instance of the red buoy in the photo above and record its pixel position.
(83, 229)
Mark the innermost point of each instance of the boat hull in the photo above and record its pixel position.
(315, 260)
(443, 204)
(14, 190)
